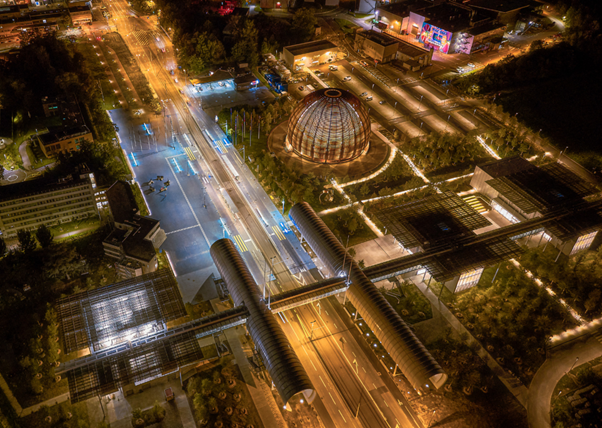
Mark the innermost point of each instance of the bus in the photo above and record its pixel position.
(229, 203)
(230, 167)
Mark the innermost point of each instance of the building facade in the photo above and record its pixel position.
(378, 46)
(64, 140)
(30, 204)
(309, 54)
(134, 238)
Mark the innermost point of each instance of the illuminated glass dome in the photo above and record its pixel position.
(329, 126)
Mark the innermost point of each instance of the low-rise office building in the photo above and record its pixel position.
(134, 238)
(30, 204)
(519, 191)
(378, 46)
(80, 14)
(309, 54)
(413, 57)
(64, 140)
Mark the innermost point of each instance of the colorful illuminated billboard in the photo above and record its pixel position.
(435, 37)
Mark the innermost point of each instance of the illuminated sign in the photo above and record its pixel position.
(435, 37)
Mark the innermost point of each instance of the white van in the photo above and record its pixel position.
(310, 88)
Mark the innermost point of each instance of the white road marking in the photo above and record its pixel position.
(335, 403)
(344, 420)
(181, 230)
(188, 202)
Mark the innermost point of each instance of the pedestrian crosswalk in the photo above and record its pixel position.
(278, 233)
(189, 153)
(240, 243)
(475, 203)
(222, 148)
(143, 38)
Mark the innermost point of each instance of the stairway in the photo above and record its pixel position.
(475, 203)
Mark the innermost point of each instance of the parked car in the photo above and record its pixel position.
(301, 88)
(369, 98)
(347, 79)
(382, 101)
(333, 68)
(363, 94)
(364, 63)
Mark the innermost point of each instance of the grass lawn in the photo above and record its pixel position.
(74, 226)
(348, 222)
(412, 306)
(346, 26)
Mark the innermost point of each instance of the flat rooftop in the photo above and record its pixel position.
(411, 50)
(41, 185)
(536, 189)
(501, 5)
(437, 219)
(305, 48)
(377, 37)
(63, 134)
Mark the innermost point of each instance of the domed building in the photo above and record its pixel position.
(329, 126)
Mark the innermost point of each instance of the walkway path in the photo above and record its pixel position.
(513, 384)
(548, 375)
(260, 392)
(24, 155)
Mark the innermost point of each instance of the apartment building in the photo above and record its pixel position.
(30, 204)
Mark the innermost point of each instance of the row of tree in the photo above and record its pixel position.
(577, 279)
(44, 352)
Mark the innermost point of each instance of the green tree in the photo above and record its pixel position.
(26, 242)
(245, 49)
(44, 236)
(304, 24)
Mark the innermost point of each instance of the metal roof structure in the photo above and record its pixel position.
(441, 261)
(537, 189)
(120, 312)
(439, 218)
(398, 339)
(133, 365)
(452, 264)
(329, 126)
(280, 360)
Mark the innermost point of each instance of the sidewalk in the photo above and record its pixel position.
(548, 375)
(260, 392)
(24, 155)
(513, 384)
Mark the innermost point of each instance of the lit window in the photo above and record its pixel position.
(504, 212)
(584, 242)
(469, 279)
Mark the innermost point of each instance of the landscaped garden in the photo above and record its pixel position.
(577, 278)
(396, 178)
(512, 317)
(219, 396)
(348, 223)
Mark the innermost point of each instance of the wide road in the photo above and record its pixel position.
(265, 245)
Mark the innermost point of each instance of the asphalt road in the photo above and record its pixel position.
(192, 228)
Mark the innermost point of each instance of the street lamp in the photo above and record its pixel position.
(575, 362)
